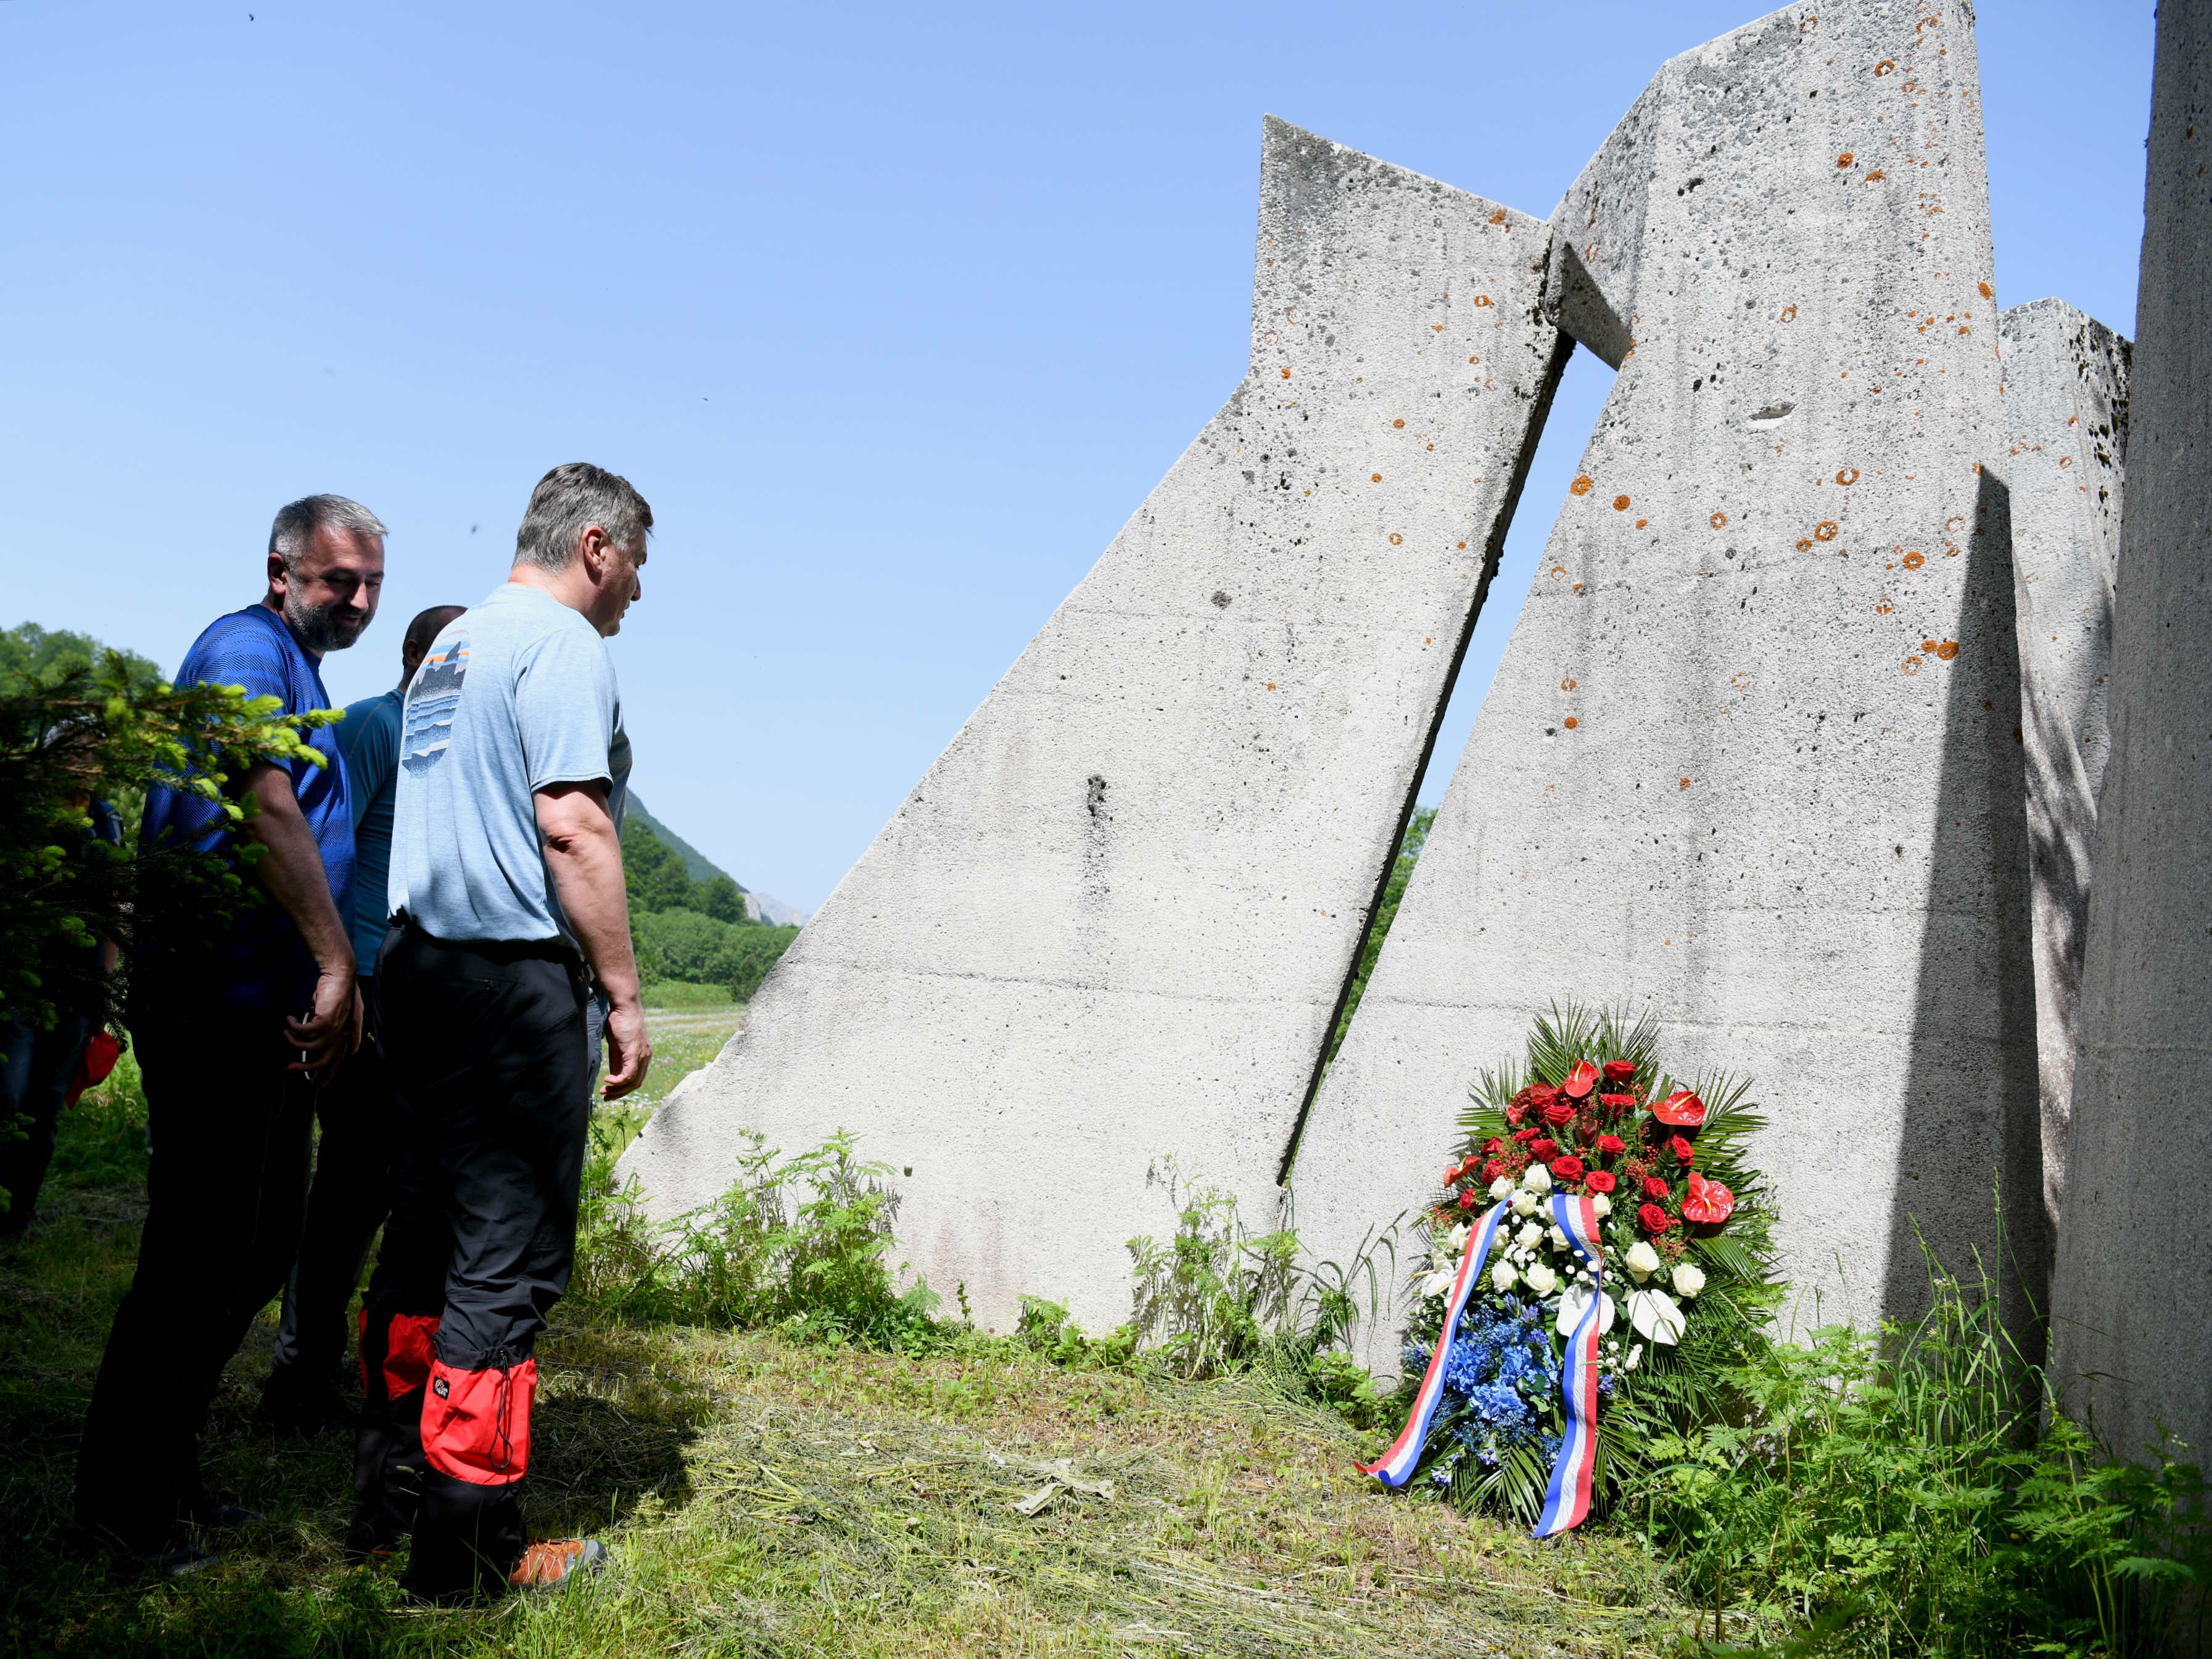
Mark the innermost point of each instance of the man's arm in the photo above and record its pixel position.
(291, 869)
(583, 853)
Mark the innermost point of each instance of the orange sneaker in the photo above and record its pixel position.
(548, 1566)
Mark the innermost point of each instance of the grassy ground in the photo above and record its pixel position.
(765, 1498)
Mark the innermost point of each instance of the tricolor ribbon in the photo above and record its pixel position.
(1567, 1499)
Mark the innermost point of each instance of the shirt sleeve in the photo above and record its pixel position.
(242, 653)
(564, 708)
(372, 751)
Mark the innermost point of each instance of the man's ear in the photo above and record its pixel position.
(278, 578)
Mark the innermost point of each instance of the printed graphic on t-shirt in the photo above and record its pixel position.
(431, 700)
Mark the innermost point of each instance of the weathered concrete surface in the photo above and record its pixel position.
(2133, 1297)
(1751, 756)
(2065, 413)
(1114, 919)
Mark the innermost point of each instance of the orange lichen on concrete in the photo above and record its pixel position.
(1848, 475)
(1947, 650)
(1913, 561)
(1581, 486)
(1790, 314)
(1375, 477)
(1396, 539)
(1570, 722)
(1620, 503)
(1910, 665)
(1825, 530)
(1719, 521)
(1400, 421)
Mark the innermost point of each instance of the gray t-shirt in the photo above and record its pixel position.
(516, 696)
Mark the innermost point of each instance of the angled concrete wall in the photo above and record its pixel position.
(2134, 1293)
(1114, 922)
(2065, 415)
(1751, 757)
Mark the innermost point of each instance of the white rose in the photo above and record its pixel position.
(1455, 1240)
(1642, 1260)
(1688, 1279)
(1501, 1277)
(1559, 1240)
(1537, 1179)
(1528, 1235)
(1524, 1202)
(1543, 1279)
(1601, 1206)
(1502, 1188)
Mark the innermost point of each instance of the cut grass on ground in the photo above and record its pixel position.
(768, 1498)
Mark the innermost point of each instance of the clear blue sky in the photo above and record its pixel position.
(895, 313)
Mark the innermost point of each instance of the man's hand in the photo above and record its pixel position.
(629, 1051)
(331, 1031)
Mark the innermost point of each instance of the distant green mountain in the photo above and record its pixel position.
(696, 863)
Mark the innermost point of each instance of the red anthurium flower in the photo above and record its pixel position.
(1453, 1174)
(1543, 1151)
(1654, 1188)
(1516, 1115)
(1709, 1203)
(1682, 1149)
(1566, 1169)
(1680, 1110)
(1580, 1081)
(1599, 1181)
(1559, 1112)
(1653, 1219)
(1611, 1146)
(1620, 1071)
(1466, 1199)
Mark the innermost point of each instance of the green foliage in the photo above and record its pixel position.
(718, 896)
(1923, 1495)
(683, 944)
(1217, 1299)
(654, 875)
(1401, 872)
(31, 654)
(801, 1244)
(748, 954)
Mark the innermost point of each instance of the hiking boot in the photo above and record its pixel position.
(549, 1566)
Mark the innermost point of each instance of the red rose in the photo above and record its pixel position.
(1599, 1181)
(1709, 1204)
(1580, 1081)
(1541, 1094)
(1654, 1188)
(1680, 1110)
(1559, 1113)
(1620, 1071)
(1682, 1149)
(1492, 1144)
(1566, 1169)
(1611, 1146)
(1543, 1151)
(1653, 1219)
(1524, 1136)
(1466, 1199)
(1491, 1170)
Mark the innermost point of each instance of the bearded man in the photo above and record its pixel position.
(235, 1034)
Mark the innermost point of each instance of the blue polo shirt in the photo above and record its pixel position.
(259, 961)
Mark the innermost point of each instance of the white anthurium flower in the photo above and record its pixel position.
(1635, 1358)
(1642, 1260)
(1541, 1280)
(1600, 1206)
(1689, 1278)
(1501, 1277)
(1575, 1303)
(1438, 1282)
(1524, 1202)
(1537, 1179)
(1502, 1188)
(1657, 1315)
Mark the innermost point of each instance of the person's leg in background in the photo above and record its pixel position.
(34, 1080)
(230, 1128)
(348, 1203)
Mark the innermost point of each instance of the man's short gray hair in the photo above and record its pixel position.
(298, 521)
(569, 500)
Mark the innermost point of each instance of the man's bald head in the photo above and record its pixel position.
(421, 634)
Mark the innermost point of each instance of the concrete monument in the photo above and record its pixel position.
(2134, 1285)
(2065, 412)
(1115, 921)
(1751, 758)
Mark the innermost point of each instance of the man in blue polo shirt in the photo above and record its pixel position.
(235, 1034)
(351, 1194)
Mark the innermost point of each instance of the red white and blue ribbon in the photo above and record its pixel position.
(1396, 1467)
(1567, 1499)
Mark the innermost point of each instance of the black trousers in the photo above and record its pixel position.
(230, 1129)
(36, 1069)
(348, 1203)
(486, 1046)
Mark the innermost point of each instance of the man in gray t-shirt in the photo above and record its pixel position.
(507, 902)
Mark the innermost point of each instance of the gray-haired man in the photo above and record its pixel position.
(508, 899)
(229, 1059)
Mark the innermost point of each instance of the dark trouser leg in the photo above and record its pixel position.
(347, 1205)
(34, 1080)
(489, 1055)
(230, 1132)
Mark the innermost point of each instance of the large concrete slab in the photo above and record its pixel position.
(1751, 759)
(2065, 414)
(2133, 1296)
(1114, 922)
